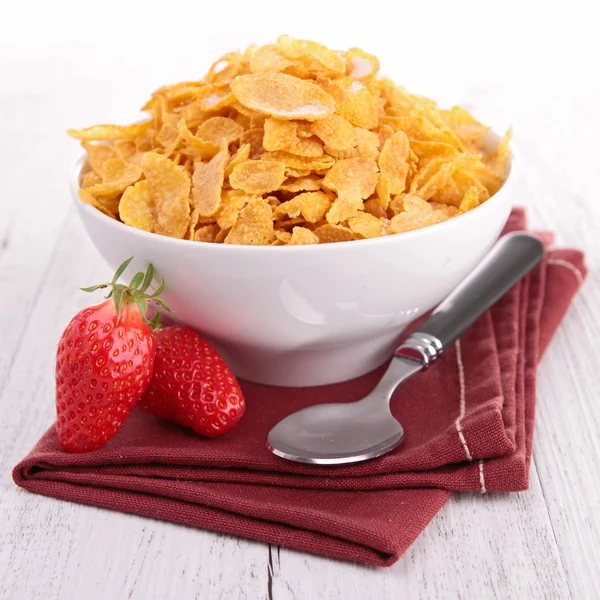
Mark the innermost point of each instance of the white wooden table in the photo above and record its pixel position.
(514, 63)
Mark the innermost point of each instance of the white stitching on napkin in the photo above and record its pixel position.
(565, 263)
(552, 261)
(458, 422)
(481, 477)
(461, 381)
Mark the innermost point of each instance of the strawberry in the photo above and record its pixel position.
(104, 363)
(192, 385)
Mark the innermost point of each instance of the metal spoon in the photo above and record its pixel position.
(334, 434)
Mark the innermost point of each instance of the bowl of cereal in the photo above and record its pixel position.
(302, 209)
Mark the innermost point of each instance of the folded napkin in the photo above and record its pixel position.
(468, 426)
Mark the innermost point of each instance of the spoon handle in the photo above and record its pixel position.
(509, 260)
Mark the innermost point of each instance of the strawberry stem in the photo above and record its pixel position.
(134, 292)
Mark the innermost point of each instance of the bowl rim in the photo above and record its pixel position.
(306, 248)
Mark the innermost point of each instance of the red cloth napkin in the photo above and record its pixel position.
(468, 423)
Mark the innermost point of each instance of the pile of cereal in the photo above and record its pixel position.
(290, 143)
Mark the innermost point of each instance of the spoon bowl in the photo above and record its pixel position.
(335, 434)
(356, 432)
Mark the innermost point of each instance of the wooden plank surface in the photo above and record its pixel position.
(541, 543)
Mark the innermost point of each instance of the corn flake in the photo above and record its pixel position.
(257, 177)
(307, 147)
(313, 57)
(170, 191)
(254, 225)
(365, 225)
(269, 58)
(498, 160)
(302, 235)
(413, 203)
(422, 129)
(279, 135)
(168, 136)
(336, 132)
(110, 132)
(355, 102)
(306, 183)
(89, 179)
(87, 198)
(406, 221)
(283, 237)
(360, 64)
(113, 170)
(119, 175)
(126, 149)
(207, 183)
(192, 114)
(197, 147)
(301, 165)
(289, 223)
(425, 151)
(333, 233)
(290, 172)
(432, 178)
(393, 166)
(449, 211)
(241, 155)
(212, 98)
(453, 192)
(146, 141)
(470, 200)
(206, 233)
(313, 206)
(282, 96)
(253, 137)
(472, 165)
(304, 129)
(367, 143)
(353, 179)
(98, 154)
(220, 237)
(468, 129)
(221, 131)
(232, 202)
(137, 207)
(374, 207)
(226, 68)
(417, 214)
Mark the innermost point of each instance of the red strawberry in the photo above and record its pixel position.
(104, 363)
(192, 385)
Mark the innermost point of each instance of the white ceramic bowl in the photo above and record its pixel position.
(306, 315)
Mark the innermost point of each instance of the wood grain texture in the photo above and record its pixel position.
(541, 543)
